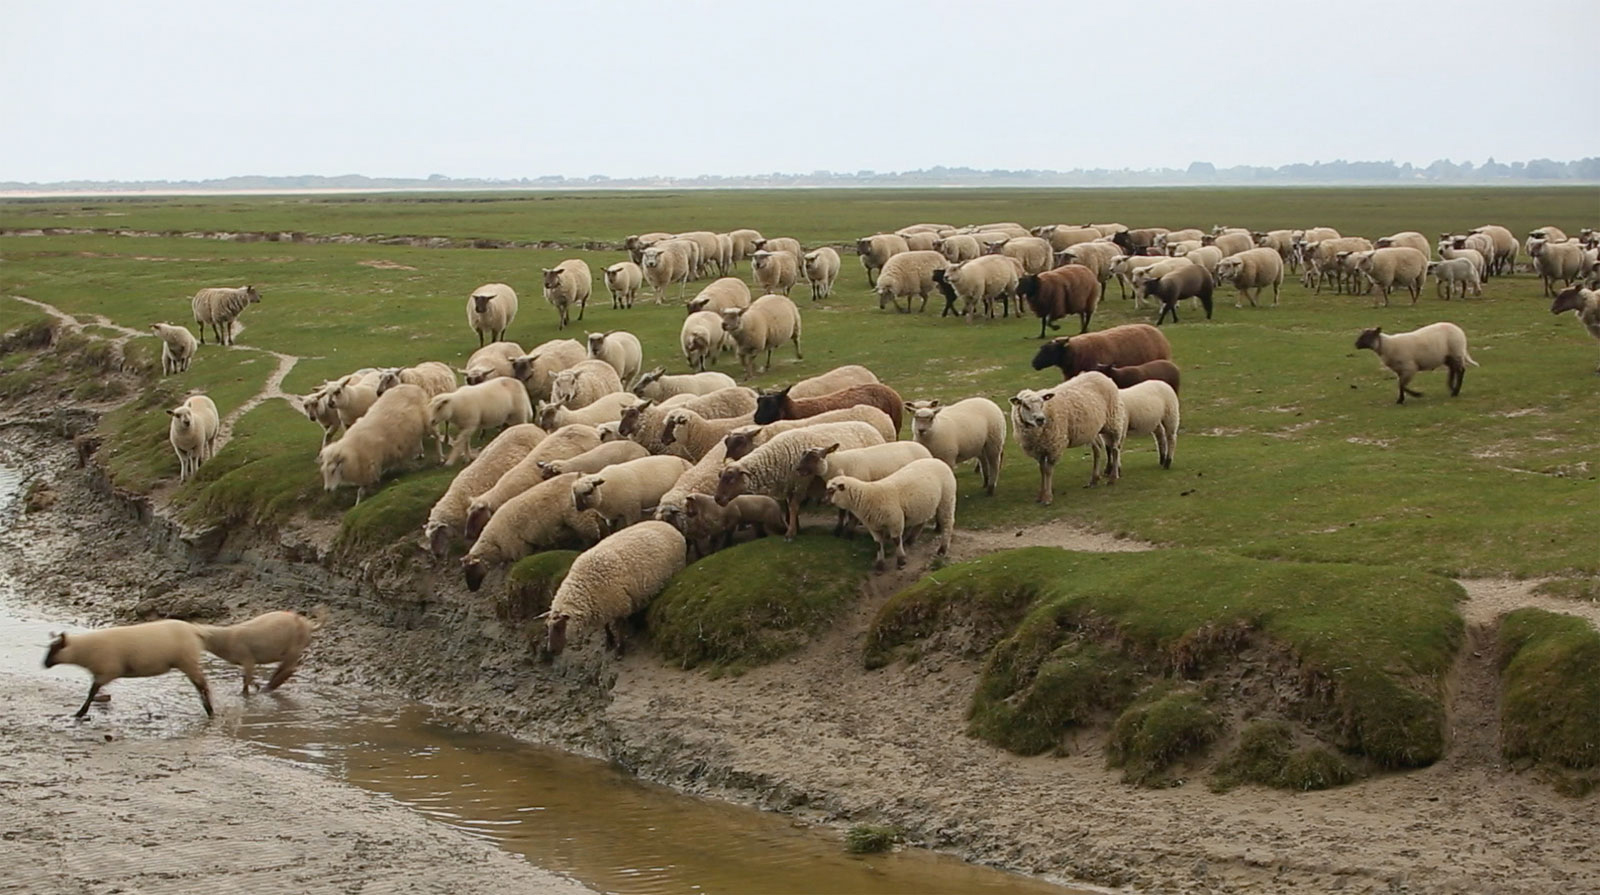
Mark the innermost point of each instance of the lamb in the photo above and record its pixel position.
(922, 492)
(773, 468)
(388, 434)
(1152, 408)
(1448, 251)
(1252, 269)
(1586, 302)
(821, 268)
(1054, 294)
(551, 416)
(833, 380)
(780, 405)
(875, 252)
(658, 386)
(770, 321)
(431, 376)
(622, 281)
(1126, 269)
(1125, 345)
(619, 349)
(538, 518)
(537, 369)
(498, 402)
(705, 523)
(1558, 261)
(700, 479)
(744, 243)
(905, 275)
(868, 464)
(984, 279)
(702, 338)
(1133, 374)
(562, 444)
(720, 294)
(664, 264)
(351, 399)
(973, 429)
(584, 383)
(218, 307)
(775, 272)
(490, 310)
(958, 248)
(1426, 348)
(280, 637)
(1186, 282)
(1446, 274)
(627, 492)
(193, 433)
(490, 361)
(612, 581)
(568, 284)
(177, 347)
(606, 453)
(1322, 259)
(145, 650)
(320, 410)
(1399, 265)
(1088, 410)
(743, 439)
(449, 513)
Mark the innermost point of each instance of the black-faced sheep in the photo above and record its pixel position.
(1426, 348)
(1586, 302)
(780, 405)
(490, 310)
(144, 650)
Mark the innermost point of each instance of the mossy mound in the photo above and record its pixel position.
(757, 601)
(1550, 692)
(1162, 727)
(531, 584)
(1066, 635)
(396, 510)
(1266, 755)
(870, 839)
(258, 479)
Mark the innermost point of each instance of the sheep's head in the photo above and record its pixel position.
(439, 408)
(437, 536)
(552, 278)
(388, 379)
(864, 246)
(182, 417)
(740, 441)
(1054, 353)
(815, 460)
(839, 487)
(1433, 267)
(1027, 407)
(545, 415)
(730, 484)
(1571, 298)
(478, 514)
(1369, 338)
(732, 319)
(480, 303)
(331, 463)
(671, 514)
(1228, 268)
(564, 387)
(631, 418)
(648, 379)
(697, 505)
(769, 407)
(698, 303)
(475, 375)
(52, 656)
(669, 427)
(923, 413)
(583, 491)
(555, 629)
(651, 258)
(474, 570)
(252, 293)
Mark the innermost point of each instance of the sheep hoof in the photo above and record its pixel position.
(900, 563)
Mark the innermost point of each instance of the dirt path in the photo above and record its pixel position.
(1490, 598)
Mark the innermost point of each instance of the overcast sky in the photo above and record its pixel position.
(189, 90)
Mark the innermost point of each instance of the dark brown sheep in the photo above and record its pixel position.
(775, 406)
(1071, 289)
(1193, 281)
(1164, 370)
(1122, 346)
(1134, 242)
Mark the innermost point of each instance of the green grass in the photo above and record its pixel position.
(757, 601)
(394, 512)
(530, 586)
(1067, 634)
(870, 839)
(1266, 755)
(1550, 691)
(1159, 730)
(1587, 589)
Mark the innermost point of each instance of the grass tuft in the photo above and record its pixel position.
(1550, 691)
(870, 839)
(1265, 755)
(531, 584)
(397, 510)
(1161, 728)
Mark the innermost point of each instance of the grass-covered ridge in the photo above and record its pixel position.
(1069, 636)
(1550, 692)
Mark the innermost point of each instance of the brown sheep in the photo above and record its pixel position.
(1133, 374)
(1054, 294)
(1185, 282)
(775, 406)
(1123, 346)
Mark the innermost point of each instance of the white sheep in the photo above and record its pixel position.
(564, 443)
(490, 310)
(471, 408)
(1086, 409)
(782, 244)
(719, 294)
(1128, 269)
(906, 275)
(619, 349)
(607, 408)
(320, 410)
(351, 399)
(832, 381)
(1426, 348)
(280, 637)
(584, 383)
(973, 429)
(1479, 260)
(666, 263)
(770, 321)
(868, 464)
(1230, 243)
(985, 280)
(775, 272)
(724, 254)
(1446, 274)
(568, 284)
(772, 468)
(539, 518)
(490, 361)
(1408, 238)
(741, 440)
(1393, 266)
(1253, 269)
(144, 650)
(192, 432)
(178, 347)
(1153, 409)
(658, 386)
(606, 453)
(1504, 243)
(627, 492)
(645, 421)
(622, 281)
(613, 580)
(688, 434)
(431, 376)
(1185, 234)
(1035, 254)
(744, 243)
(958, 248)
(218, 307)
(389, 433)
(449, 513)
(876, 250)
(923, 491)
(706, 249)
(1065, 236)
(537, 369)
(702, 338)
(610, 431)
(1564, 261)
(822, 268)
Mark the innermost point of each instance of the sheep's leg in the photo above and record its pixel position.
(797, 354)
(198, 678)
(581, 306)
(1458, 373)
(1084, 318)
(281, 675)
(1094, 461)
(94, 688)
(793, 526)
(249, 669)
(881, 563)
(838, 527)
(1042, 321)
(1046, 480)
(900, 551)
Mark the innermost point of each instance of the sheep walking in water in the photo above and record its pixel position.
(279, 637)
(145, 650)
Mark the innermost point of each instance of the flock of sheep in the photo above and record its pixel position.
(650, 469)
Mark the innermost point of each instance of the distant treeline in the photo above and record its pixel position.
(1444, 171)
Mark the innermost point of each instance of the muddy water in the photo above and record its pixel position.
(574, 815)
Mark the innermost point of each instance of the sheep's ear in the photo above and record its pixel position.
(910, 405)
(785, 390)
(172, 412)
(830, 449)
(595, 483)
(1016, 401)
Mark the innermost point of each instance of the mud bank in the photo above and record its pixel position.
(813, 735)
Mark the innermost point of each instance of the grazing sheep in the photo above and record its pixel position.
(1393, 266)
(875, 252)
(1191, 281)
(537, 369)
(1426, 348)
(905, 275)
(1086, 409)
(702, 338)
(923, 491)
(449, 513)
(973, 429)
(280, 637)
(538, 518)
(470, 408)
(562, 444)
(742, 439)
(145, 650)
(490, 310)
(1446, 274)
(1504, 244)
(1558, 261)
(627, 492)
(958, 248)
(606, 453)
(193, 433)
(658, 386)
(1408, 238)
(770, 321)
(607, 408)
(868, 464)
(622, 281)
(389, 433)
(491, 361)
(833, 380)
(1055, 294)
(705, 522)
(821, 268)
(984, 279)
(1252, 269)
(664, 264)
(1152, 408)
(584, 383)
(773, 468)
(177, 347)
(431, 376)
(568, 284)
(619, 349)
(1585, 302)
(1125, 345)
(1133, 374)
(775, 272)
(780, 405)
(613, 580)
(720, 294)
(218, 307)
